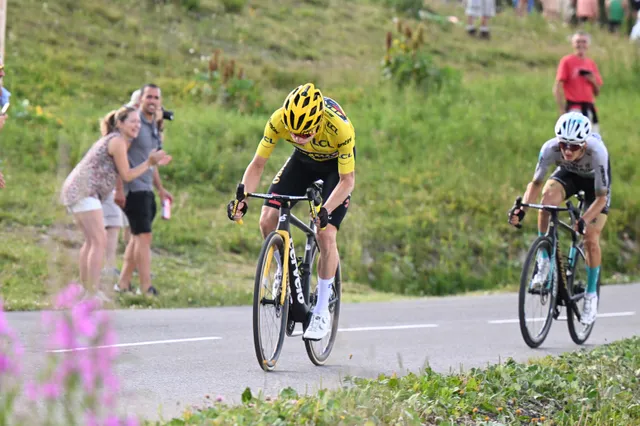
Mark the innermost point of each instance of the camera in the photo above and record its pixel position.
(167, 115)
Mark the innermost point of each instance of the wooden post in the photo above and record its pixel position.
(3, 25)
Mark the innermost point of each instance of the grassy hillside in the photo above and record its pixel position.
(436, 171)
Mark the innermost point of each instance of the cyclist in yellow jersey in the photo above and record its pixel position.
(324, 141)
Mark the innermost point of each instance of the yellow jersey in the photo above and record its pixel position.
(335, 139)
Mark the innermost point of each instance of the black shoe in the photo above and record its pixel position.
(485, 35)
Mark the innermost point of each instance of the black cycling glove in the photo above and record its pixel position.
(323, 215)
(244, 208)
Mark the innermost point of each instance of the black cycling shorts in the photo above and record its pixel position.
(298, 173)
(573, 183)
(140, 209)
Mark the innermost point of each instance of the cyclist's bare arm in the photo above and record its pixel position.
(532, 194)
(253, 173)
(341, 191)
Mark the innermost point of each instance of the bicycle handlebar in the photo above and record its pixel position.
(574, 212)
(313, 195)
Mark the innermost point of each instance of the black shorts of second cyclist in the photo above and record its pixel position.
(140, 209)
(298, 173)
(573, 183)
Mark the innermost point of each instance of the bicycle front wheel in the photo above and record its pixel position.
(319, 351)
(576, 287)
(537, 293)
(269, 314)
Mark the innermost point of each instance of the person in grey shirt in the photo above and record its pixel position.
(583, 164)
(140, 206)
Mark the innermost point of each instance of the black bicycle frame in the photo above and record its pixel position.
(299, 275)
(554, 222)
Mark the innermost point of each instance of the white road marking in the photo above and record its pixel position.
(564, 318)
(126, 345)
(389, 327)
(379, 328)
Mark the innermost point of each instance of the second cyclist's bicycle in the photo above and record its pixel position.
(565, 284)
(282, 296)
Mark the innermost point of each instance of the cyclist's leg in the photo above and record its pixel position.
(329, 258)
(291, 179)
(558, 187)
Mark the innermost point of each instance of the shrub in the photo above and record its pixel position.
(221, 83)
(406, 63)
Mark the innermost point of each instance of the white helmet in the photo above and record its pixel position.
(573, 127)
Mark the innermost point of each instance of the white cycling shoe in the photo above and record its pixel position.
(590, 310)
(319, 326)
(543, 266)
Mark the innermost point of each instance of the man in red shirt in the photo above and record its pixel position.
(578, 81)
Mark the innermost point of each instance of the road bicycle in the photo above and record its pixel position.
(565, 284)
(282, 296)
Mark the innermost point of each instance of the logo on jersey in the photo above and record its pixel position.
(322, 144)
(345, 156)
(268, 140)
(331, 127)
(333, 106)
(347, 142)
(319, 156)
(272, 127)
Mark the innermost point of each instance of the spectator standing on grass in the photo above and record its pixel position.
(140, 206)
(114, 217)
(578, 81)
(587, 11)
(484, 9)
(616, 12)
(94, 178)
(635, 31)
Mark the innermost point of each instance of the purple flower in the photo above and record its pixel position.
(5, 364)
(91, 419)
(87, 371)
(112, 421)
(219, 398)
(31, 390)
(63, 337)
(51, 390)
(82, 320)
(131, 421)
(69, 296)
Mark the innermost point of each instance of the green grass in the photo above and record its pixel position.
(435, 173)
(601, 387)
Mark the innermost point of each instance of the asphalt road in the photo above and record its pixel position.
(171, 359)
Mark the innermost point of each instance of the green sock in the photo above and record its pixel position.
(592, 278)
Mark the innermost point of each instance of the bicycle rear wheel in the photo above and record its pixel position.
(269, 314)
(319, 351)
(577, 285)
(536, 302)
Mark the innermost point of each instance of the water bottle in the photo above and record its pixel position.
(166, 208)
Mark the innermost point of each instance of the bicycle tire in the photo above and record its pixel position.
(273, 239)
(320, 359)
(535, 341)
(572, 321)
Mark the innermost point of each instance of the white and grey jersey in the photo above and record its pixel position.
(594, 163)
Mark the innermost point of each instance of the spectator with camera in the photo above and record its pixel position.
(578, 81)
(140, 205)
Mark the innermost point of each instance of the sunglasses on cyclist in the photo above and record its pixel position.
(565, 146)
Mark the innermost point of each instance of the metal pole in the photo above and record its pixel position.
(3, 25)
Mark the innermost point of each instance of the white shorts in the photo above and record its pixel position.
(112, 213)
(86, 205)
(479, 8)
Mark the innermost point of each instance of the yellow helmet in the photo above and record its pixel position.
(303, 110)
